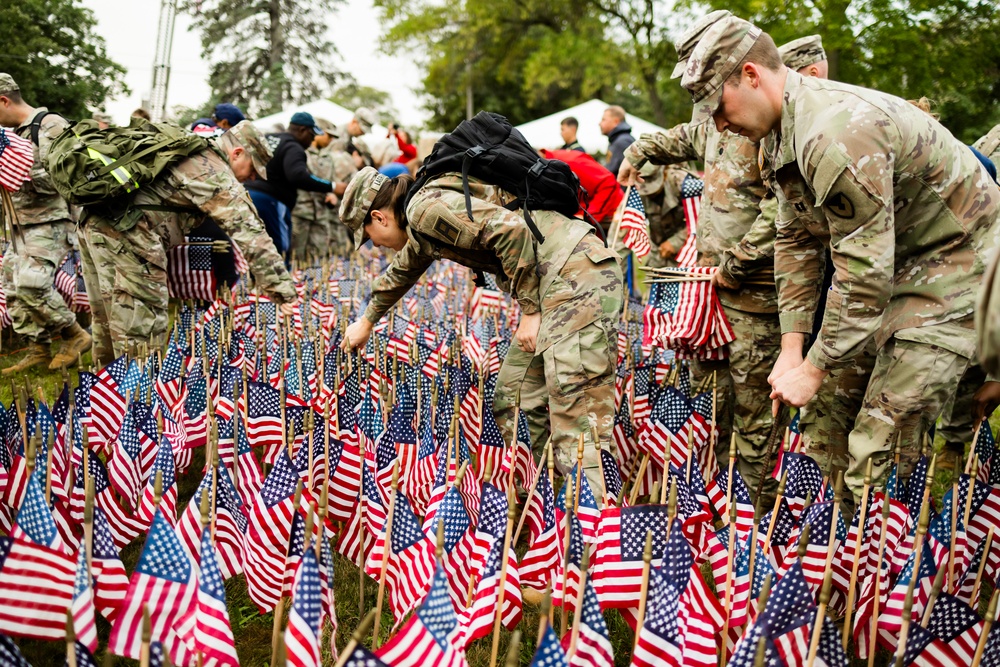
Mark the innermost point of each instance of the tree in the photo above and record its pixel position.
(265, 54)
(523, 59)
(946, 50)
(52, 51)
(352, 95)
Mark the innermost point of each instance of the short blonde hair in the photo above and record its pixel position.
(616, 112)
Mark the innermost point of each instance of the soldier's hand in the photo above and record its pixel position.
(797, 386)
(720, 280)
(331, 199)
(357, 334)
(526, 335)
(790, 357)
(985, 401)
(628, 175)
(287, 309)
(667, 250)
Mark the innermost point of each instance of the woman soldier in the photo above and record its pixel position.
(569, 289)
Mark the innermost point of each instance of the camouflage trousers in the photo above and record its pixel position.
(910, 384)
(126, 278)
(751, 358)
(957, 425)
(341, 243)
(36, 309)
(569, 387)
(310, 237)
(828, 418)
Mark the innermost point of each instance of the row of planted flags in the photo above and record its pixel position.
(391, 457)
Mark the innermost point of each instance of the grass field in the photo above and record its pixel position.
(252, 630)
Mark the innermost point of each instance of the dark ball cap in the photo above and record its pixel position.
(229, 112)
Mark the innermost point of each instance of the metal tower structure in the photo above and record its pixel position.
(161, 60)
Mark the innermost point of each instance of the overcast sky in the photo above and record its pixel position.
(354, 29)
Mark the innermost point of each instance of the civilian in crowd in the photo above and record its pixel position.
(227, 115)
(568, 128)
(407, 151)
(619, 134)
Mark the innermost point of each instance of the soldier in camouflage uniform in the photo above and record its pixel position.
(312, 217)
(343, 171)
(989, 145)
(41, 238)
(909, 216)
(125, 261)
(569, 290)
(828, 418)
(987, 311)
(660, 190)
(735, 232)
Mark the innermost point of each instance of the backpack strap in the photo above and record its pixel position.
(470, 155)
(35, 125)
(132, 157)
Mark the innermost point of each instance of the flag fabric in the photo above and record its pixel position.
(17, 155)
(659, 641)
(164, 583)
(635, 229)
(84, 614)
(10, 654)
(691, 193)
(428, 638)
(268, 532)
(593, 646)
(189, 270)
(302, 635)
(410, 562)
(540, 563)
(213, 636)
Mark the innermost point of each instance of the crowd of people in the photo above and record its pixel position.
(850, 233)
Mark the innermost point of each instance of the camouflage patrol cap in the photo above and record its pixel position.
(244, 135)
(365, 118)
(685, 44)
(102, 117)
(357, 201)
(718, 53)
(7, 83)
(802, 52)
(652, 179)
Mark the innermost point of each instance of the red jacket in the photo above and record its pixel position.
(407, 151)
(601, 185)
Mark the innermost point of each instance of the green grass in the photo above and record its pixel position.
(252, 630)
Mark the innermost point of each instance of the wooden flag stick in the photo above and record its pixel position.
(579, 472)
(873, 627)
(511, 513)
(954, 528)
(145, 638)
(729, 479)
(361, 537)
(824, 600)
(568, 514)
(638, 478)
(972, 450)
(513, 650)
(774, 511)
(544, 612)
(968, 497)
(647, 557)
(578, 613)
(279, 608)
(754, 530)
(546, 456)
(730, 555)
(933, 597)
(862, 522)
(991, 615)
(385, 552)
(70, 639)
(918, 548)
(982, 568)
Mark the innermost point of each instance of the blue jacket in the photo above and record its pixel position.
(619, 139)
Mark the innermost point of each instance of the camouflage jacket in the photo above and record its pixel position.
(735, 228)
(907, 211)
(666, 216)
(989, 145)
(37, 200)
(497, 241)
(203, 186)
(312, 205)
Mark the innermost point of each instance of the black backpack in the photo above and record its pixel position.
(488, 148)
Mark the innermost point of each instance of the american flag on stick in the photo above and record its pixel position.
(17, 155)
(635, 231)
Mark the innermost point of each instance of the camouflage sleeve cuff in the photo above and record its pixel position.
(635, 157)
(678, 239)
(796, 322)
(821, 360)
(528, 306)
(283, 292)
(731, 269)
(372, 314)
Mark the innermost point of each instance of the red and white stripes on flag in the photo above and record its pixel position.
(189, 271)
(17, 155)
(635, 230)
(38, 589)
(691, 191)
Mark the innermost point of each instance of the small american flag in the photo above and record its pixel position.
(84, 613)
(635, 232)
(268, 533)
(427, 639)
(213, 636)
(164, 583)
(539, 565)
(189, 270)
(410, 562)
(659, 642)
(69, 281)
(17, 155)
(302, 636)
(691, 191)
(10, 654)
(550, 652)
(593, 646)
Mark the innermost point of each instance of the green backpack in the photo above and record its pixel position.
(94, 167)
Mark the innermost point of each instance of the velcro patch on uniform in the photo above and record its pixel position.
(840, 205)
(446, 230)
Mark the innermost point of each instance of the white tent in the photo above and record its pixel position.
(324, 109)
(544, 132)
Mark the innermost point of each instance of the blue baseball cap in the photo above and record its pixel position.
(228, 112)
(305, 119)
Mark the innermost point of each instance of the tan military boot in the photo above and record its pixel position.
(38, 353)
(75, 341)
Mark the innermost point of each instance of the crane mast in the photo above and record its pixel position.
(161, 60)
